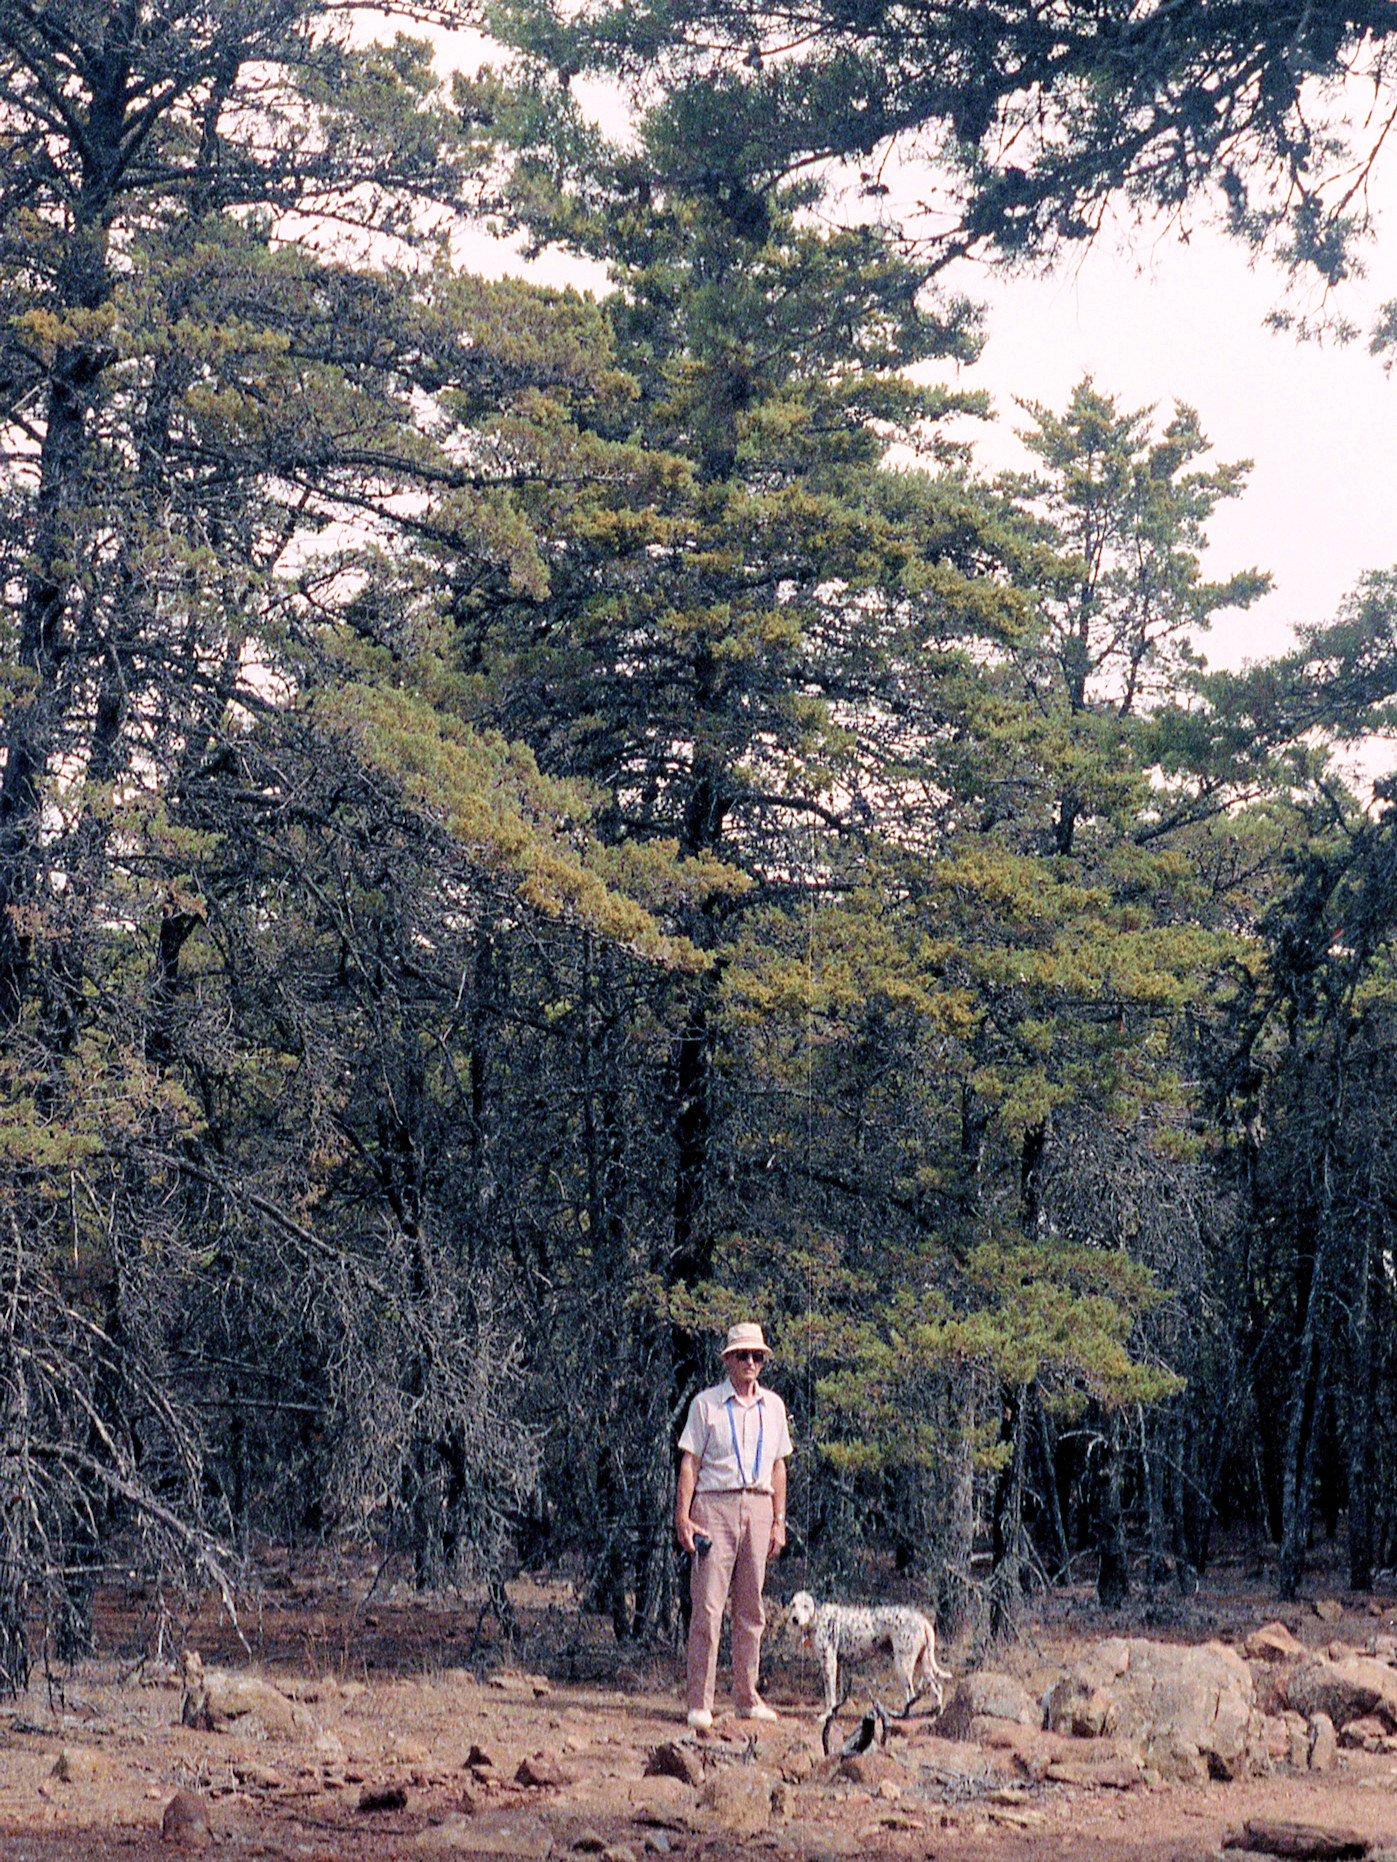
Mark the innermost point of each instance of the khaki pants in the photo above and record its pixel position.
(739, 1525)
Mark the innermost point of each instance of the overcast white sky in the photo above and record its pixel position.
(1166, 321)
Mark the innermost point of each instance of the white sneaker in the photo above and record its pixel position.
(701, 1719)
(757, 1711)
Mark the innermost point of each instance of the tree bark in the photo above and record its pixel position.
(1305, 1394)
(1362, 1386)
(1051, 1498)
(1113, 1572)
(954, 1590)
(1006, 1576)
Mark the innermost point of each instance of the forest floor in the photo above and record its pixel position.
(419, 1731)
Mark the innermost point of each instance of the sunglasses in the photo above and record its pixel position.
(756, 1357)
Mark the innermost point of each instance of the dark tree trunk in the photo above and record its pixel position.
(705, 813)
(633, 1474)
(83, 285)
(608, 1589)
(425, 1513)
(647, 1534)
(1055, 1529)
(1190, 1494)
(240, 1458)
(1113, 1572)
(175, 927)
(1031, 1157)
(17, 1478)
(691, 1254)
(1305, 1398)
(954, 1589)
(1362, 1402)
(486, 1005)
(1006, 1575)
(1152, 1471)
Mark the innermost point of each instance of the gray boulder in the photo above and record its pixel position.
(1189, 1712)
(987, 1696)
(1353, 1689)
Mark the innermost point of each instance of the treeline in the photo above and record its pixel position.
(532, 824)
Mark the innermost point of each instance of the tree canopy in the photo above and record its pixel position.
(532, 823)
(1034, 120)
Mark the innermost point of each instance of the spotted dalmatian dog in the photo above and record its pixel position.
(841, 1632)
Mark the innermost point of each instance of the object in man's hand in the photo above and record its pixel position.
(703, 1545)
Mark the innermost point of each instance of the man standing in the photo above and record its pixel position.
(730, 1516)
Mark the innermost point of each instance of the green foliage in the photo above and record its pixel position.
(1057, 1316)
(533, 824)
(1125, 601)
(1042, 122)
(248, 846)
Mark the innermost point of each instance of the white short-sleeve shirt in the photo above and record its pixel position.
(735, 1443)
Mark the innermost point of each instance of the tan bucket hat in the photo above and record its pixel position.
(746, 1337)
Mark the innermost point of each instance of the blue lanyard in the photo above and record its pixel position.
(737, 1452)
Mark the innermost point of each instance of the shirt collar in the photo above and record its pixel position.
(729, 1389)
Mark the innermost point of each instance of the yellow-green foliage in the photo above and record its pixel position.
(489, 798)
(1055, 1316)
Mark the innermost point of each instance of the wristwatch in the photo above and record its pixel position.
(778, 1519)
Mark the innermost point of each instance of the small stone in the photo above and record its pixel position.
(1367, 1733)
(672, 1760)
(798, 1767)
(739, 1797)
(1273, 1642)
(382, 1797)
(1301, 1735)
(1113, 1774)
(186, 1821)
(520, 1839)
(329, 1749)
(667, 1801)
(543, 1771)
(254, 1773)
(79, 1765)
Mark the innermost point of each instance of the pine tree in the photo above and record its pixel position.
(236, 364)
(1037, 124)
(868, 717)
(1037, 952)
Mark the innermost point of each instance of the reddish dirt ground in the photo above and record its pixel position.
(412, 1723)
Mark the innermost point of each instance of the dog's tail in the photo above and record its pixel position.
(932, 1668)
